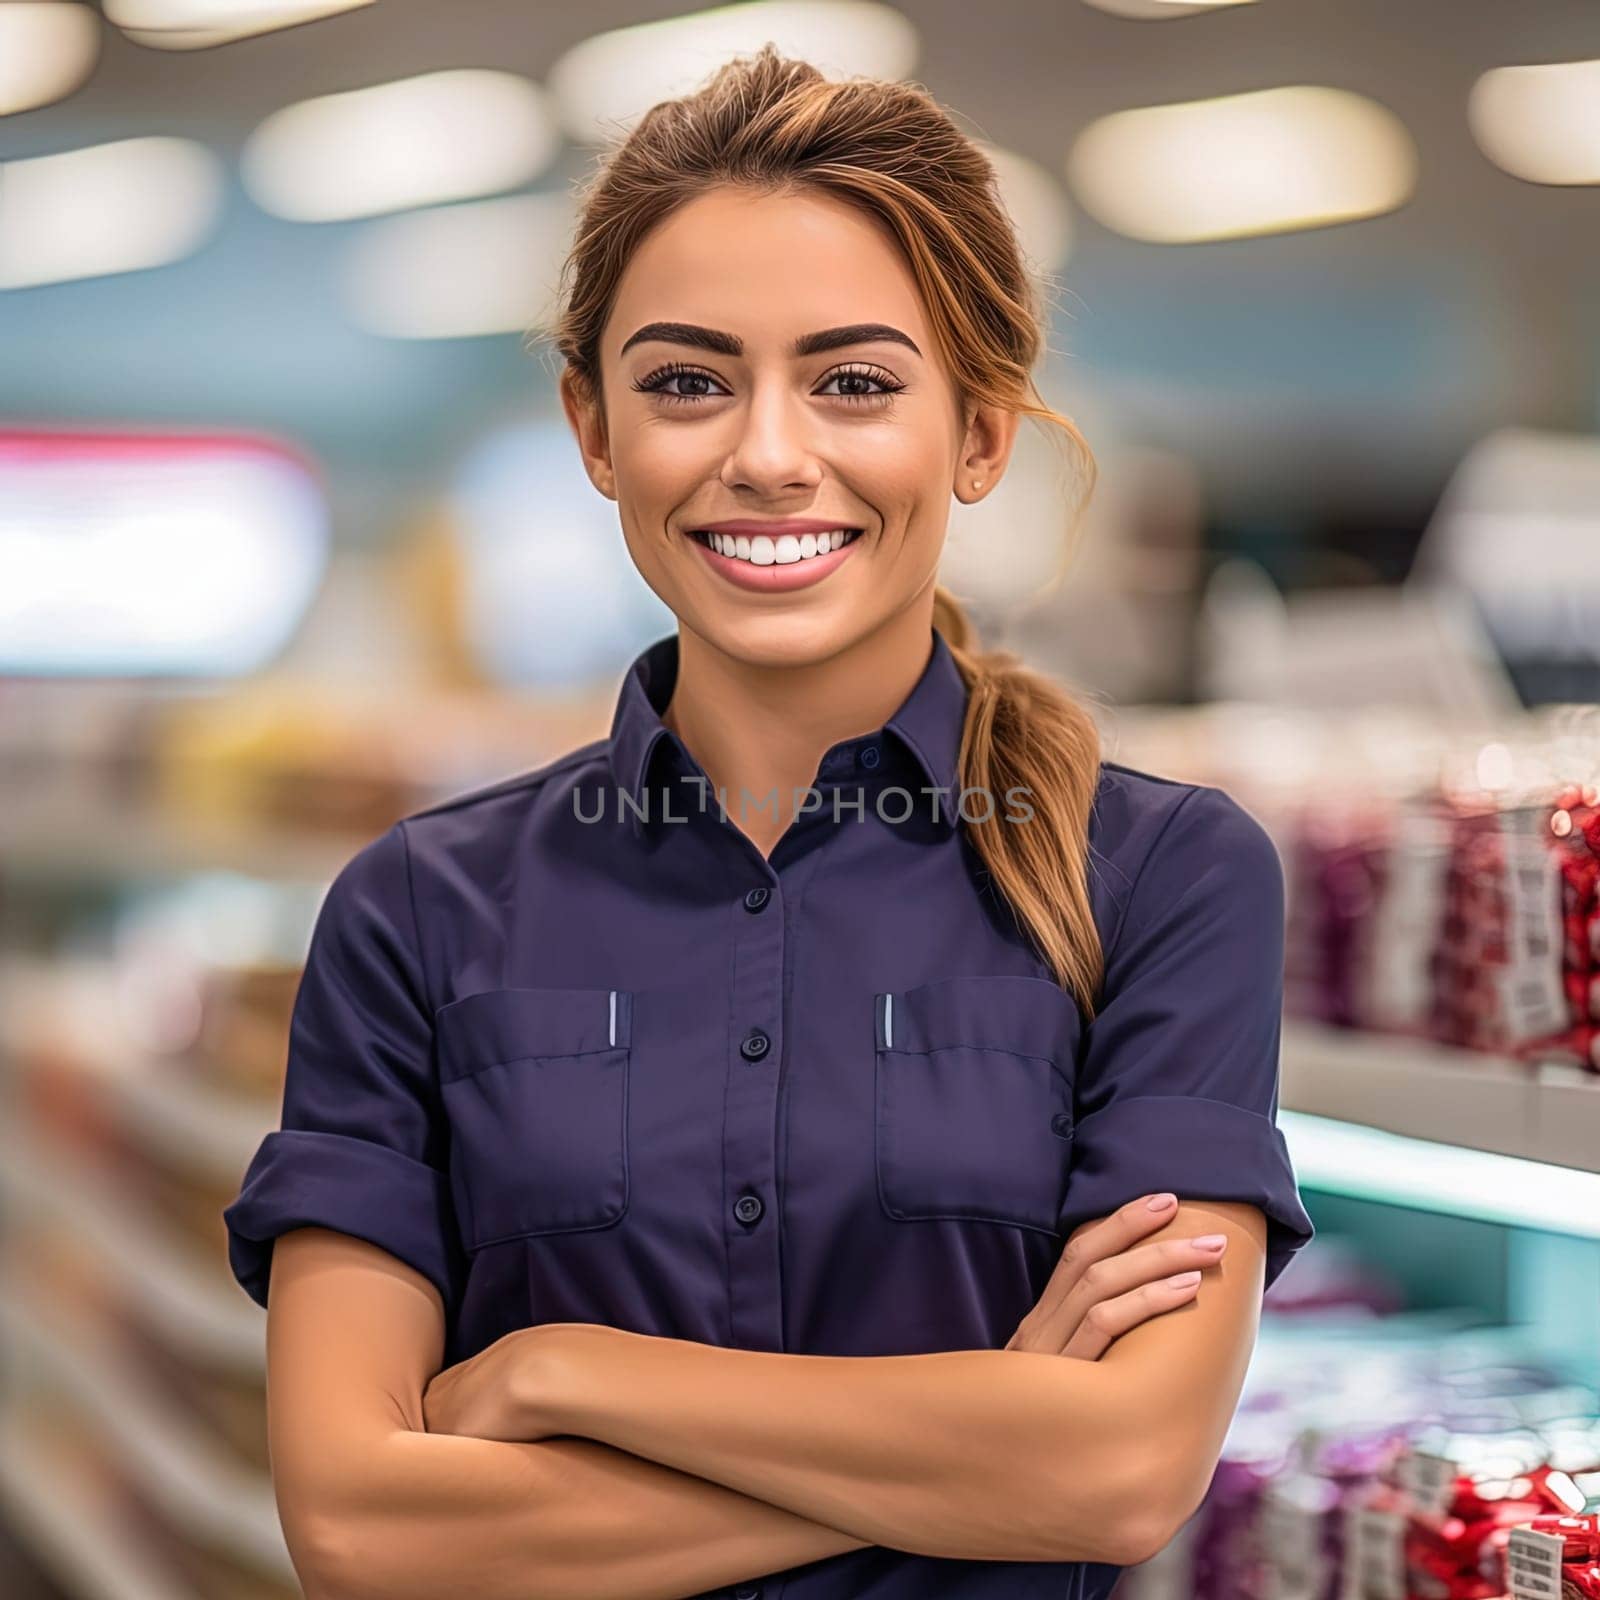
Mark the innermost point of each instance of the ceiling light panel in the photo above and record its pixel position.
(197, 24)
(1541, 123)
(395, 146)
(1269, 161)
(484, 267)
(106, 208)
(46, 51)
(1162, 10)
(607, 82)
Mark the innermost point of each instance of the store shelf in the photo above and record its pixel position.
(71, 838)
(72, 1533)
(1365, 1163)
(1546, 1113)
(187, 1121)
(211, 1498)
(200, 1313)
(1441, 1129)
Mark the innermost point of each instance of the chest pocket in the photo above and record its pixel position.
(535, 1086)
(973, 1099)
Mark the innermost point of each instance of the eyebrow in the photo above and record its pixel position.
(729, 344)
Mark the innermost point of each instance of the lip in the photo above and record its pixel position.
(751, 526)
(776, 578)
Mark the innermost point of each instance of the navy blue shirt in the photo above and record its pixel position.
(571, 1047)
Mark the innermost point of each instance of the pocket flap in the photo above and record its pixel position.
(501, 1025)
(1014, 1012)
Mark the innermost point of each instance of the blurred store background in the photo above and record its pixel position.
(294, 539)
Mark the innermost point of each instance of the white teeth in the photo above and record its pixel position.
(764, 551)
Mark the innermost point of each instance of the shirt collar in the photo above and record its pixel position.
(928, 723)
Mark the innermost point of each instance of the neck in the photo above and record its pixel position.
(760, 728)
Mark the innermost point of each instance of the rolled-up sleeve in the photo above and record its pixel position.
(1177, 1085)
(362, 1143)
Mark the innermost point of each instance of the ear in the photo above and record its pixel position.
(985, 451)
(586, 416)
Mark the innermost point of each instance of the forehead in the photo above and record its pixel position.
(767, 267)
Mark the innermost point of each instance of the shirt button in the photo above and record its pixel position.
(747, 1591)
(1061, 1123)
(748, 1207)
(756, 898)
(754, 1045)
(869, 756)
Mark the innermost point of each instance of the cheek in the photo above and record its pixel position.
(657, 468)
(907, 454)
(904, 475)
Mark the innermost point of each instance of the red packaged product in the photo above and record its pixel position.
(1555, 1556)
(1457, 1536)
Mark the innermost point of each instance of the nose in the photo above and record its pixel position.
(774, 449)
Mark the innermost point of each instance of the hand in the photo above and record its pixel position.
(1107, 1282)
(485, 1396)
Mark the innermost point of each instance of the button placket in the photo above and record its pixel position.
(750, 1112)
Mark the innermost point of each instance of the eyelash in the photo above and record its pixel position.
(673, 369)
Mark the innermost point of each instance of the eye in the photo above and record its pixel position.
(676, 372)
(888, 386)
(657, 381)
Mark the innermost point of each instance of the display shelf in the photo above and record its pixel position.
(67, 1525)
(200, 1313)
(187, 1121)
(1365, 1163)
(211, 1498)
(69, 838)
(1547, 1113)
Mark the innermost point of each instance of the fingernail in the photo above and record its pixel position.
(1160, 1202)
(1210, 1241)
(1184, 1280)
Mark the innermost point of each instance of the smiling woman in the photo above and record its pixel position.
(865, 1190)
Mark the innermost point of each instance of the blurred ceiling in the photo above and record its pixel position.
(1335, 372)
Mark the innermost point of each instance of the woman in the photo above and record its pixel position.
(711, 1104)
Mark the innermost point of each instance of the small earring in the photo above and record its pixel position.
(977, 483)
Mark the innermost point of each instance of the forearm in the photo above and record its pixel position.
(562, 1519)
(975, 1454)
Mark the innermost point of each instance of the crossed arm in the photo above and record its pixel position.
(585, 1461)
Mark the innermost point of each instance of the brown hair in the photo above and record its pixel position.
(774, 124)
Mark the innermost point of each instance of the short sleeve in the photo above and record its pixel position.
(1177, 1085)
(361, 1146)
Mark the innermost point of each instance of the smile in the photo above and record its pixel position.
(785, 550)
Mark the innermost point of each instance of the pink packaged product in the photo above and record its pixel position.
(1338, 874)
(1498, 959)
(1473, 924)
(1573, 828)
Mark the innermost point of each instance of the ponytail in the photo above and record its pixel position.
(1024, 730)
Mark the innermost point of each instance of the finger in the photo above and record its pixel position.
(1129, 1222)
(1065, 1304)
(1108, 1320)
(1133, 1269)
(1119, 1274)
(1102, 1237)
